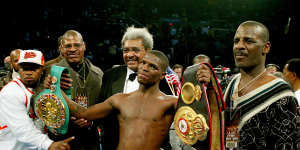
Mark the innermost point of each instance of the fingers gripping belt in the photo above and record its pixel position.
(51, 107)
(197, 112)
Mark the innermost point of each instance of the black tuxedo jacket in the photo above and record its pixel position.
(113, 82)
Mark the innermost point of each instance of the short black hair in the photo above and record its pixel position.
(162, 57)
(265, 32)
(201, 56)
(177, 66)
(293, 65)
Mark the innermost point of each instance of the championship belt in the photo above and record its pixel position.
(51, 107)
(196, 114)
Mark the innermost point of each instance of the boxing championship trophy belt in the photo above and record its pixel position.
(194, 116)
(51, 107)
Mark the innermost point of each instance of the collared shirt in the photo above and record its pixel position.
(130, 86)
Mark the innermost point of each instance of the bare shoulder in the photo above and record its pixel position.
(171, 97)
(117, 98)
(165, 97)
(169, 101)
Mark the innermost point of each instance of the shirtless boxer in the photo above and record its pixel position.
(144, 115)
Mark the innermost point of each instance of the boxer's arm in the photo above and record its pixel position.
(94, 112)
(175, 101)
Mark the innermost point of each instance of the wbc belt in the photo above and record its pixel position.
(51, 107)
(196, 114)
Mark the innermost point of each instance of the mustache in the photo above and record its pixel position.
(131, 59)
(72, 53)
(240, 53)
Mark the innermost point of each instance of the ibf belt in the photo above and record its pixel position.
(196, 115)
(51, 107)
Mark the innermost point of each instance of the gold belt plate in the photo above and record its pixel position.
(190, 126)
(190, 92)
(51, 110)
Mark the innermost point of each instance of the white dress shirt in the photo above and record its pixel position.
(130, 86)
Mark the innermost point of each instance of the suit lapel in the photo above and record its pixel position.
(118, 85)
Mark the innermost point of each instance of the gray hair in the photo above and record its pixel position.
(133, 33)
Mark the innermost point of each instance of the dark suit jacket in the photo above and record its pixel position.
(113, 82)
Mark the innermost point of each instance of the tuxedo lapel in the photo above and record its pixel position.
(118, 85)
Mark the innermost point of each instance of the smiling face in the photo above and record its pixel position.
(30, 73)
(133, 53)
(150, 70)
(72, 48)
(249, 47)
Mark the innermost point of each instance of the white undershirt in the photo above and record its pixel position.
(130, 86)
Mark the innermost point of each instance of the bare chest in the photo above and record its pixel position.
(145, 110)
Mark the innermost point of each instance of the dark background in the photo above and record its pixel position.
(181, 28)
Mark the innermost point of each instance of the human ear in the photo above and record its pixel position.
(163, 75)
(266, 48)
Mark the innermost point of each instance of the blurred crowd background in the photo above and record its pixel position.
(182, 29)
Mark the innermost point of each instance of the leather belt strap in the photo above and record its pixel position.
(199, 112)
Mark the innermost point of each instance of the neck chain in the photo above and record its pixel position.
(84, 80)
(252, 81)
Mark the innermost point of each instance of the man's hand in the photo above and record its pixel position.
(65, 81)
(82, 123)
(61, 145)
(203, 74)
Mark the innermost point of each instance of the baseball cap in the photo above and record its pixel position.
(31, 56)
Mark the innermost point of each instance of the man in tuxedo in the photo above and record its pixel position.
(122, 79)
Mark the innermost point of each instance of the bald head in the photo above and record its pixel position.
(72, 47)
(14, 57)
(260, 28)
(15, 53)
(7, 63)
(7, 59)
(200, 59)
(70, 34)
